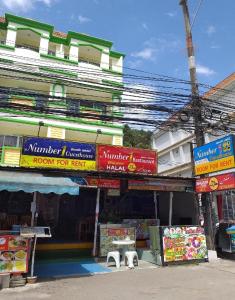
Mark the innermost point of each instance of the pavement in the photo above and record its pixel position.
(214, 280)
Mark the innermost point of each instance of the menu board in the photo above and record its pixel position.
(114, 232)
(142, 226)
(183, 243)
(13, 254)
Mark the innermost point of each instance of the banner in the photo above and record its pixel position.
(13, 254)
(103, 183)
(167, 185)
(215, 183)
(183, 243)
(57, 154)
(126, 160)
(215, 156)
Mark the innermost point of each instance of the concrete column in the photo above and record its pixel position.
(44, 44)
(182, 155)
(73, 53)
(104, 60)
(11, 37)
(118, 66)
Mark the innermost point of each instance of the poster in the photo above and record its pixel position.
(215, 156)
(57, 154)
(13, 254)
(126, 160)
(183, 243)
(114, 232)
(215, 183)
(142, 226)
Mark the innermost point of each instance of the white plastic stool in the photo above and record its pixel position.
(130, 258)
(116, 256)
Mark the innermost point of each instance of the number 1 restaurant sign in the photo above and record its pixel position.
(126, 160)
(215, 156)
(57, 154)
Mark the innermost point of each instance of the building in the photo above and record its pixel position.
(63, 86)
(175, 146)
(42, 69)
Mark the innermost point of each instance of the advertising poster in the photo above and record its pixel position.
(13, 254)
(57, 154)
(215, 183)
(110, 233)
(126, 160)
(183, 243)
(142, 226)
(215, 156)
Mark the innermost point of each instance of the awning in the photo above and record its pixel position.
(34, 182)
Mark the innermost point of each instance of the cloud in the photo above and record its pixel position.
(215, 47)
(171, 14)
(145, 26)
(203, 70)
(154, 47)
(24, 5)
(210, 30)
(146, 54)
(82, 19)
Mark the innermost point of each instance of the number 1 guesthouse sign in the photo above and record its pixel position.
(215, 156)
(126, 160)
(57, 154)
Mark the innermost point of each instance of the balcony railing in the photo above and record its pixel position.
(25, 46)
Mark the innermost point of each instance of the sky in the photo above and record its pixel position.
(150, 32)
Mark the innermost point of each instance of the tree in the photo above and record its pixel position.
(136, 138)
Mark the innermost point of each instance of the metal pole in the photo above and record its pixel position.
(97, 209)
(33, 208)
(155, 199)
(33, 255)
(170, 208)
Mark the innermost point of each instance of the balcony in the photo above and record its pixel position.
(28, 47)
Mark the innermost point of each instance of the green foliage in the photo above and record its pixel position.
(136, 138)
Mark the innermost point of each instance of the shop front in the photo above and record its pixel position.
(216, 162)
(221, 191)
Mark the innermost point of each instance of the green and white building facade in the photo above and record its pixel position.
(37, 60)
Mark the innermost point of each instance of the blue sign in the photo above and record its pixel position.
(215, 150)
(58, 148)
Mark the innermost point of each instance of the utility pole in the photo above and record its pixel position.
(197, 116)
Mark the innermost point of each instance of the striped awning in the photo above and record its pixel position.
(34, 182)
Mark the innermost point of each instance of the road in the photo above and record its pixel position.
(214, 280)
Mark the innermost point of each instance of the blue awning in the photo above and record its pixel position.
(34, 182)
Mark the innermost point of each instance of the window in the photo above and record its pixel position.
(10, 141)
(73, 106)
(50, 52)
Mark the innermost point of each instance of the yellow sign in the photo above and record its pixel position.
(213, 183)
(29, 161)
(217, 165)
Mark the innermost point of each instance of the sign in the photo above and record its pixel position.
(103, 183)
(126, 160)
(215, 156)
(183, 243)
(114, 232)
(215, 183)
(170, 185)
(13, 254)
(57, 154)
(142, 226)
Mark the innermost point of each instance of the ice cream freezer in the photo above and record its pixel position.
(175, 244)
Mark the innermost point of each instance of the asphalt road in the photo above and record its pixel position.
(214, 280)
